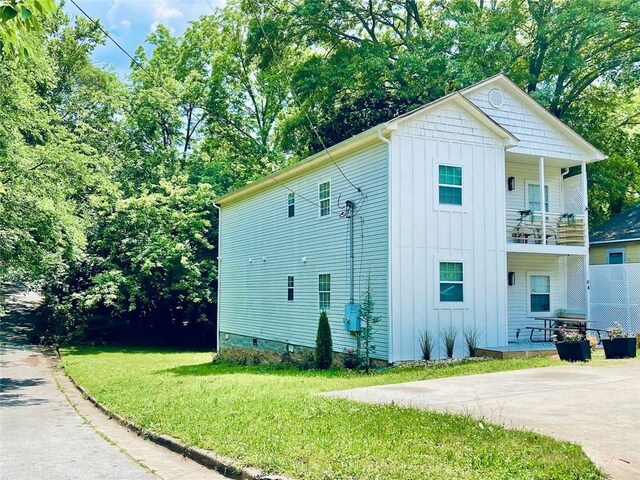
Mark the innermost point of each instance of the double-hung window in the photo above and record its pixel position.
(324, 291)
(535, 202)
(451, 282)
(290, 283)
(450, 185)
(615, 256)
(291, 204)
(539, 293)
(324, 198)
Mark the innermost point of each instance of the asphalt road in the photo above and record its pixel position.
(41, 435)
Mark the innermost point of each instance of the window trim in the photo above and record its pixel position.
(320, 216)
(440, 305)
(551, 290)
(291, 205)
(621, 250)
(328, 309)
(291, 288)
(547, 193)
(461, 186)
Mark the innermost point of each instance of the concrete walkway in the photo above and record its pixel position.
(43, 436)
(597, 407)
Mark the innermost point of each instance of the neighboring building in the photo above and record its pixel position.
(452, 229)
(617, 240)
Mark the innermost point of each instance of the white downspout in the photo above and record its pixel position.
(389, 296)
(585, 202)
(543, 200)
(218, 259)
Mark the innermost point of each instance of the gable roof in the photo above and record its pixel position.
(506, 83)
(365, 138)
(624, 227)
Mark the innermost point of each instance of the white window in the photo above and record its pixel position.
(324, 291)
(451, 282)
(539, 293)
(324, 198)
(615, 256)
(450, 185)
(291, 203)
(290, 285)
(535, 202)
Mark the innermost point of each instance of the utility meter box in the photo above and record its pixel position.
(352, 317)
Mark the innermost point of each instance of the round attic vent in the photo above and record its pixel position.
(496, 98)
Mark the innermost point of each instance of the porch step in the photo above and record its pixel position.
(519, 350)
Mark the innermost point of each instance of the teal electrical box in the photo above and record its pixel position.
(352, 317)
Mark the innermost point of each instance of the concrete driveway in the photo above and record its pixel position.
(597, 407)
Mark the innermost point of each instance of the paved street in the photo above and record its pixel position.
(595, 406)
(43, 437)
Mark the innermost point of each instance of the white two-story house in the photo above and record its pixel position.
(464, 213)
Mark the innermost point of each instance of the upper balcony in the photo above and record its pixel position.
(550, 220)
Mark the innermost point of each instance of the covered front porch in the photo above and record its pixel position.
(543, 285)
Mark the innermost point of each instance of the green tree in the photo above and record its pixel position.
(18, 20)
(324, 344)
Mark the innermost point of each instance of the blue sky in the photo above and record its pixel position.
(130, 21)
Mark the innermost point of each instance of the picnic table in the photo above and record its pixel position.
(551, 325)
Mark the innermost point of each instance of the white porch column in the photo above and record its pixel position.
(585, 222)
(543, 200)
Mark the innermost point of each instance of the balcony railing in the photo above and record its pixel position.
(525, 226)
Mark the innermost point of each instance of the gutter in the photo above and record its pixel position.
(218, 278)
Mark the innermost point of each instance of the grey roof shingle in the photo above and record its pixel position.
(624, 226)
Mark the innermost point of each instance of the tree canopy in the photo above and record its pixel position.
(107, 184)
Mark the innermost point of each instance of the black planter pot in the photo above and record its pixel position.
(574, 351)
(619, 347)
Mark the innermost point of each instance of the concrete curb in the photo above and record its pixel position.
(224, 465)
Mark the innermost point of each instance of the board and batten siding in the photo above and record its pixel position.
(523, 264)
(261, 246)
(424, 233)
(537, 137)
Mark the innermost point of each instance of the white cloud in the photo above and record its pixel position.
(166, 12)
(125, 23)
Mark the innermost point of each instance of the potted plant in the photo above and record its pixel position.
(620, 344)
(573, 346)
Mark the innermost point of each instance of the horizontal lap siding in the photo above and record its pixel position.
(254, 295)
(536, 135)
(423, 233)
(517, 199)
(518, 296)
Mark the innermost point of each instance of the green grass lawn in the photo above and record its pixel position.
(273, 419)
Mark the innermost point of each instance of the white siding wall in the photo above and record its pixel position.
(536, 135)
(253, 296)
(423, 233)
(521, 264)
(524, 173)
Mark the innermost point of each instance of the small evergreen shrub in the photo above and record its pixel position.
(324, 344)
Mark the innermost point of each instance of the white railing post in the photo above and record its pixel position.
(543, 200)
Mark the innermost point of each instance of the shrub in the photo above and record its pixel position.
(471, 336)
(449, 339)
(426, 345)
(247, 356)
(304, 360)
(351, 360)
(324, 344)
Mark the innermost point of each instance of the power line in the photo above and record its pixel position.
(151, 76)
(296, 100)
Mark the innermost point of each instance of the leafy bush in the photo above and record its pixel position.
(449, 335)
(426, 345)
(304, 360)
(351, 360)
(324, 344)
